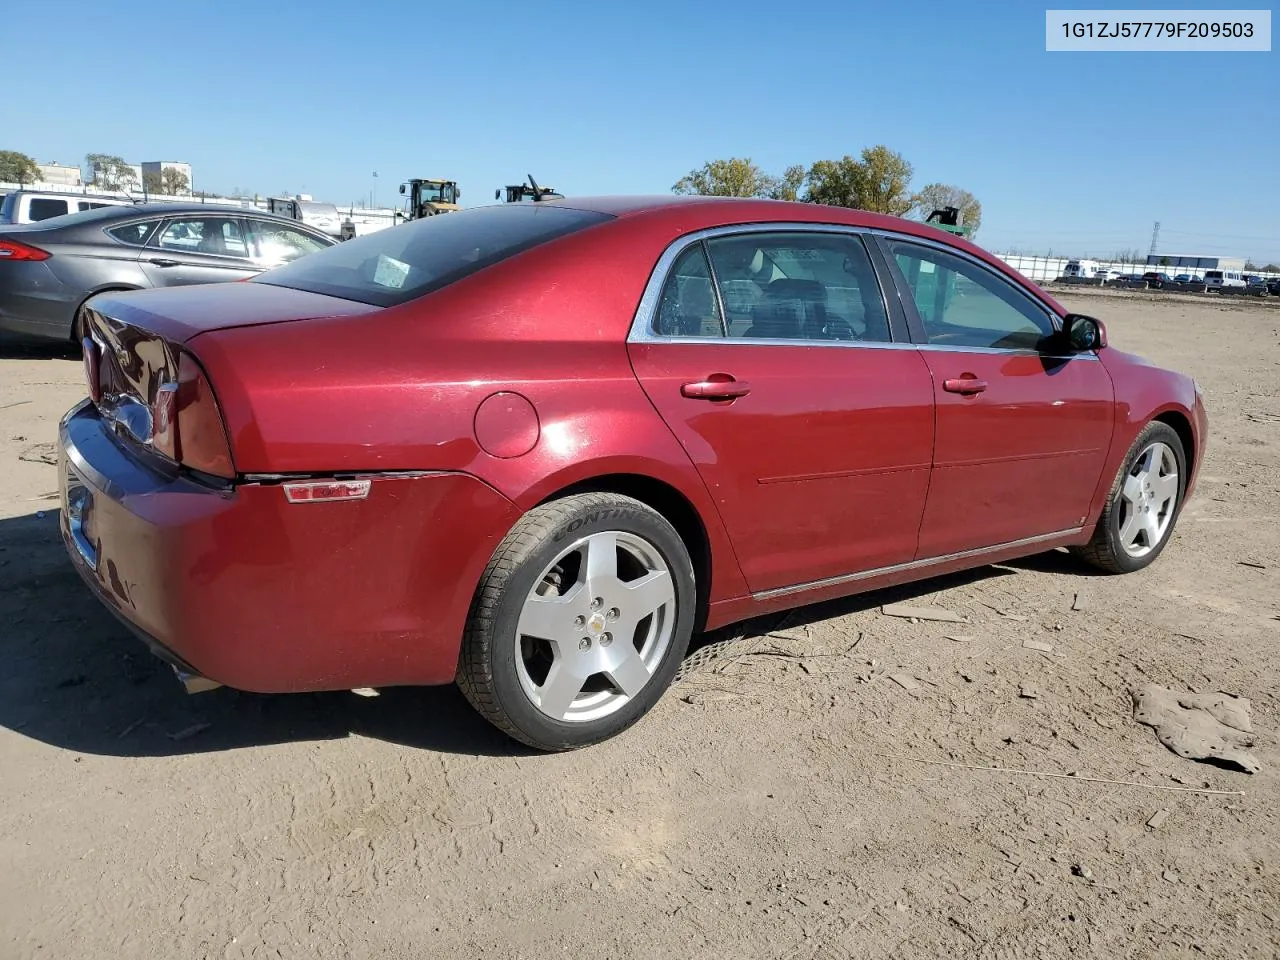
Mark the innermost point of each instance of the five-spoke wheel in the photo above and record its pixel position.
(1145, 500)
(580, 621)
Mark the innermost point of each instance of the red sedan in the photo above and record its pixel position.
(533, 447)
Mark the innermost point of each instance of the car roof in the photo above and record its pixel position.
(693, 212)
(86, 219)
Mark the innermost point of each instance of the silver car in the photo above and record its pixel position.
(48, 269)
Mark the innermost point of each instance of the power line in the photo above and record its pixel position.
(1155, 236)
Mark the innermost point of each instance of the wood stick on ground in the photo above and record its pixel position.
(1065, 776)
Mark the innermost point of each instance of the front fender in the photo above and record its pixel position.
(1145, 392)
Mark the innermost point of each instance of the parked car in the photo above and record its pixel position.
(33, 206)
(47, 270)
(534, 447)
(1273, 287)
(1155, 279)
(1184, 278)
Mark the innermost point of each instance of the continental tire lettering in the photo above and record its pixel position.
(577, 523)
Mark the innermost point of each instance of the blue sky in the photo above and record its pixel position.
(1078, 152)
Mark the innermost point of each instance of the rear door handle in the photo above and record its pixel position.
(163, 262)
(715, 389)
(966, 385)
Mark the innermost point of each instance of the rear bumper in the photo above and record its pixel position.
(34, 302)
(248, 590)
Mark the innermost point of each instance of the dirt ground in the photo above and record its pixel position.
(783, 800)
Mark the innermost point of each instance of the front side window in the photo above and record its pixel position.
(404, 262)
(218, 236)
(277, 244)
(964, 305)
(798, 286)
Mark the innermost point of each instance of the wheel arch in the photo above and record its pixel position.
(674, 505)
(1180, 423)
(108, 288)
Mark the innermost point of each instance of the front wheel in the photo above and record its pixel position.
(579, 623)
(1144, 503)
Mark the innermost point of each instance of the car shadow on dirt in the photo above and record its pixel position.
(17, 348)
(77, 679)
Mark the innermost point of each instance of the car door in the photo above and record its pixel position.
(198, 249)
(273, 243)
(774, 359)
(1023, 424)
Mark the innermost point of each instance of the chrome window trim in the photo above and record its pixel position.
(642, 323)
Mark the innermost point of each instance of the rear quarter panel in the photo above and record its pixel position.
(400, 389)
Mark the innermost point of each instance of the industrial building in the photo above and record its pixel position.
(158, 167)
(60, 174)
(1195, 263)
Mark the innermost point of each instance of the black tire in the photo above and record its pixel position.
(487, 668)
(1105, 549)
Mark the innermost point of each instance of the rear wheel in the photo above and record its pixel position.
(580, 621)
(1144, 504)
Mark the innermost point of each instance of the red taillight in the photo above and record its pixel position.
(13, 250)
(187, 425)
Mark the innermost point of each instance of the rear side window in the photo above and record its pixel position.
(404, 262)
(136, 234)
(44, 208)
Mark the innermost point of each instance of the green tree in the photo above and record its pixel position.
(111, 172)
(17, 168)
(788, 186)
(878, 181)
(175, 181)
(152, 183)
(835, 182)
(736, 177)
(936, 196)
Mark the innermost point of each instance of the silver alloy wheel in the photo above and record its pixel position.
(588, 646)
(1148, 500)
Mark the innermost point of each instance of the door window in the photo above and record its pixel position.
(277, 243)
(220, 236)
(776, 286)
(688, 307)
(964, 305)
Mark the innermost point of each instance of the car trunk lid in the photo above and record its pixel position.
(146, 382)
(178, 314)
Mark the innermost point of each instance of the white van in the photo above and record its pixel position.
(31, 206)
(1217, 279)
(1082, 269)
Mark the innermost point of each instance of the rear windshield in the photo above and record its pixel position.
(400, 263)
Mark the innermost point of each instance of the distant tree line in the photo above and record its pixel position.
(879, 180)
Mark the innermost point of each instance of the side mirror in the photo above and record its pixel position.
(1084, 333)
(402, 188)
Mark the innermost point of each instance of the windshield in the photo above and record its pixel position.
(404, 262)
(439, 193)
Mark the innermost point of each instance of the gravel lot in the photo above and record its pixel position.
(773, 804)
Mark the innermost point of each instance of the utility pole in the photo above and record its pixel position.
(1155, 236)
